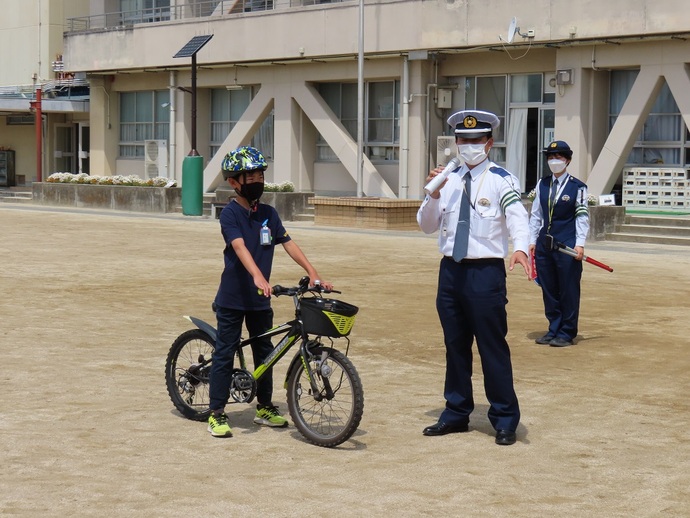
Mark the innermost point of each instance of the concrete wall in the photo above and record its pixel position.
(114, 197)
(331, 30)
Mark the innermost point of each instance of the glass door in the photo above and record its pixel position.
(84, 148)
(547, 135)
(63, 156)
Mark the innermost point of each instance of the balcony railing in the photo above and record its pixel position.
(191, 10)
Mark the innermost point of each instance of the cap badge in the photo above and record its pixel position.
(484, 202)
(554, 144)
(469, 122)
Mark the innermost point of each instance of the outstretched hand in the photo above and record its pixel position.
(521, 257)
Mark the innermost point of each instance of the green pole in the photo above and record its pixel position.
(192, 185)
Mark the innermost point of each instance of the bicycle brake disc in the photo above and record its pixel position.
(242, 386)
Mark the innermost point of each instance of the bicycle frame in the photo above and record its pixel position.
(293, 333)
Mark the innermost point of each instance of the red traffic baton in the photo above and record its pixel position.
(569, 251)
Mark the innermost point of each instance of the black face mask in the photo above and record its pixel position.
(251, 192)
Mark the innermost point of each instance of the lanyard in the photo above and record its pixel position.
(555, 198)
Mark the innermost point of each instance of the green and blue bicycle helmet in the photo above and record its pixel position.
(242, 160)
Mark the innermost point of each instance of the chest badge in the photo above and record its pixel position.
(565, 198)
(484, 202)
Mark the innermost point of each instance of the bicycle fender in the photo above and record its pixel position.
(205, 327)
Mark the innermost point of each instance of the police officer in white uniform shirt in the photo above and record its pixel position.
(475, 211)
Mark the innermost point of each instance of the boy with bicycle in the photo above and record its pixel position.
(251, 231)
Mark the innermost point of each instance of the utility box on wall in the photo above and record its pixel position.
(444, 99)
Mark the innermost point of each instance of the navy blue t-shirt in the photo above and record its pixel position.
(237, 289)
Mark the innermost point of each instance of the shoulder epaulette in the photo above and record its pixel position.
(499, 171)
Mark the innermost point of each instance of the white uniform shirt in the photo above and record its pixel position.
(497, 214)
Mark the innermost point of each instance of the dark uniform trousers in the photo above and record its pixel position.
(559, 276)
(471, 303)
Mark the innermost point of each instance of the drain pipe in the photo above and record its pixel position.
(404, 132)
(428, 163)
(172, 155)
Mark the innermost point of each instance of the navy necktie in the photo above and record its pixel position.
(554, 190)
(462, 234)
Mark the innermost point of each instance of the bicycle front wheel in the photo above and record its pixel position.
(329, 416)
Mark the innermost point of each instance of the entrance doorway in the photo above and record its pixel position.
(72, 148)
(540, 131)
(65, 148)
(531, 129)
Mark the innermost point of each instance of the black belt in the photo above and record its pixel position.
(486, 260)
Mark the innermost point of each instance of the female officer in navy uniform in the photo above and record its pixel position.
(475, 211)
(559, 215)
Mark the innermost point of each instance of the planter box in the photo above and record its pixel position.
(113, 197)
(381, 213)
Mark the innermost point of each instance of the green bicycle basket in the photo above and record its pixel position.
(327, 317)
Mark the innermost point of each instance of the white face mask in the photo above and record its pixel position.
(557, 165)
(472, 154)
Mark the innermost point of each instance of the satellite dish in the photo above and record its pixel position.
(512, 29)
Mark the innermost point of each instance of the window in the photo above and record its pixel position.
(227, 107)
(663, 139)
(381, 117)
(143, 116)
(144, 11)
(488, 94)
(525, 88)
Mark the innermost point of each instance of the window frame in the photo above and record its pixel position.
(379, 151)
(155, 127)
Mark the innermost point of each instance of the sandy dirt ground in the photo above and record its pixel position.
(91, 302)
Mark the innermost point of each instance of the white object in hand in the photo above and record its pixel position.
(437, 180)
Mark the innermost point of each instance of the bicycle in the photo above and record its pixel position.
(324, 391)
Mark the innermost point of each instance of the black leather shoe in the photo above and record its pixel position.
(544, 340)
(442, 428)
(560, 342)
(505, 437)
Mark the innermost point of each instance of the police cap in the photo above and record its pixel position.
(559, 147)
(473, 123)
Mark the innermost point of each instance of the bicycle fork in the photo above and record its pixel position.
(322, 370)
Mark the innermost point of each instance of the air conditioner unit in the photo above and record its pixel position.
(155, 158)
(446, 150)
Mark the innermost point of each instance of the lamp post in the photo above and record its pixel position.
(360, 103)
(193, 163)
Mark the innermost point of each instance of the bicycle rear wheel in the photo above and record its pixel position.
(331, 415)
(186, 373)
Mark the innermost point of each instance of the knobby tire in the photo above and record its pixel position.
(188, 387)
(328, 422)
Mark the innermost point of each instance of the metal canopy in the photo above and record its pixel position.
(193, 46)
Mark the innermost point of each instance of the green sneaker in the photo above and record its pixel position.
(218, 425)
(270, 416)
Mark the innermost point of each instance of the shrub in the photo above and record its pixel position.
(279, 187)
(131, 180)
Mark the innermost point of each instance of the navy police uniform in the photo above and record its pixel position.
(559, 216)
(472, 297)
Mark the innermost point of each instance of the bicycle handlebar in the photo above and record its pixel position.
(279, 290)
(303, 287)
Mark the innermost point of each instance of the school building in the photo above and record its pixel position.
(126, 86)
